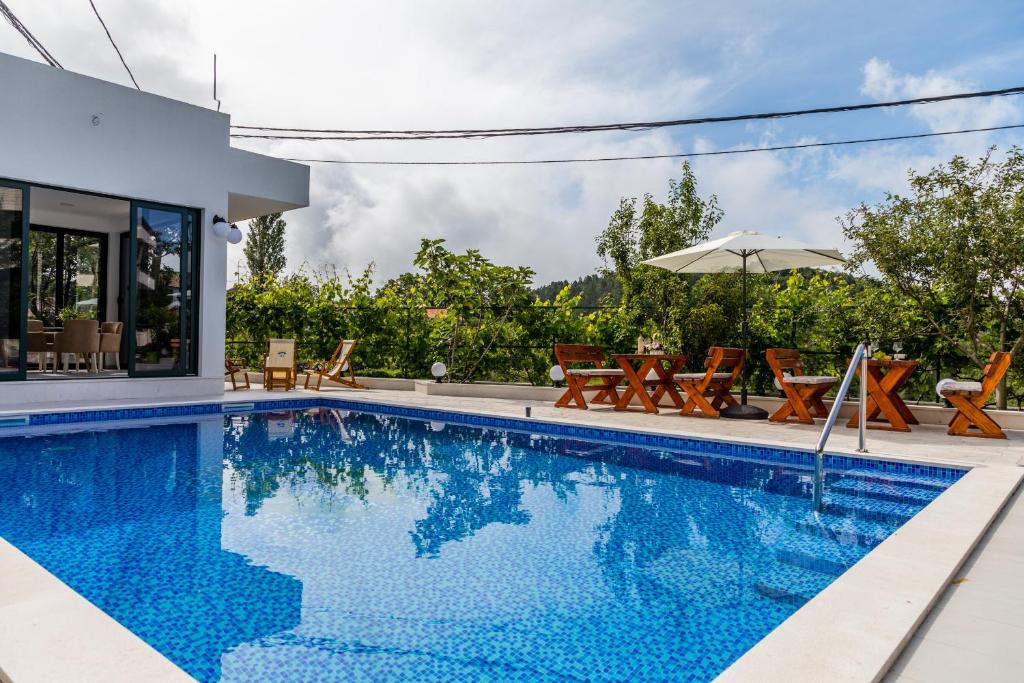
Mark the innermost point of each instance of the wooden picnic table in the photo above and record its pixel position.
(638, 367)
(885, 379)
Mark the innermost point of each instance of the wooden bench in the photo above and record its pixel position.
(969, 399)
(723, 366)
(803, 392)
(598, 379)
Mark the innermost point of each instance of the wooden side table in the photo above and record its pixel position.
(664, 367)
(277, 377)
(885, 379)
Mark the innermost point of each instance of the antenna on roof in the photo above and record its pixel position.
(215, 81)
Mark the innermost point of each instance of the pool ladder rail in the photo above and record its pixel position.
(860, 356)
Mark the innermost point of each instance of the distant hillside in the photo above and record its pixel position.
(595, 289)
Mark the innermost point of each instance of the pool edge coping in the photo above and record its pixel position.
(855, 629)
(50, 632)
(781, 664)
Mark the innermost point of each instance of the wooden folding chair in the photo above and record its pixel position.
(234, 367)
(597, 378)
(969, 399)
(279, 365)
(803, 392)
(338, 367)
(722, 368)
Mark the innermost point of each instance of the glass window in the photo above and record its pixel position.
(42, 277)
(81, 278)
(65, 275)
(158, 320)
(11, 227)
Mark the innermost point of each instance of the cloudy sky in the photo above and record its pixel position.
(405, 65)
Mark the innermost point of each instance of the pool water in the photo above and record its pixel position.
(324, 545)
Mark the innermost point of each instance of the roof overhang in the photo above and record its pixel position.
(260, 185)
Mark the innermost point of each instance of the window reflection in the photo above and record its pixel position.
(159, 289)
(11, 215)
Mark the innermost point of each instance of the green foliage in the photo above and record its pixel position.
(653, 299)
(596, 289)
(950, 262)
(952, 252)
(264, 247)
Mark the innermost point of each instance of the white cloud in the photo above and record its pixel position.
(324, 63)
(882, 82)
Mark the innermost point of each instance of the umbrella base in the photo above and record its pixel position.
(743, 411)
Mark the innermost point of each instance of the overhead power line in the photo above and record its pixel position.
(314, 134)
(116, 48)
(27, 35)
(723, 152)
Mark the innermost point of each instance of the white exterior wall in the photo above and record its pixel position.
(144, 147)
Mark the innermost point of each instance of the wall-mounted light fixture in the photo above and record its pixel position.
(226, 231)
(221, 228)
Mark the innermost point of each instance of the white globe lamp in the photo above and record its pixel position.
(438, 370)
(221, 228)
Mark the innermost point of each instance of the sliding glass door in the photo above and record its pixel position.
(13, 289)
(161, 290)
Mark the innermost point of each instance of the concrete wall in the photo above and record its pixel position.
(75, 132)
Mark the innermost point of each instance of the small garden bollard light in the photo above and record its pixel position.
(438, 370)
(556, 375)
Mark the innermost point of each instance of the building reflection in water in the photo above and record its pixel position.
(131, 519)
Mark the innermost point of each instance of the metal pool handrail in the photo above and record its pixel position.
(860, 355)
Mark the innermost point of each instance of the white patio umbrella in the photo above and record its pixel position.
(746, 251)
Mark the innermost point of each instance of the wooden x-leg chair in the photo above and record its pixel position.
(722, 368)
(803, 392)
(235, 369)
(597, 378)
(969, 399)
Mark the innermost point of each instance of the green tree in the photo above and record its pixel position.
(479, 299)
(655, 299)
(954, 249)
(264, 247)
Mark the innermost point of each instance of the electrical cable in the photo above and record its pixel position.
(116, 48)
(27, 35)
(723, 152)
(355, 135)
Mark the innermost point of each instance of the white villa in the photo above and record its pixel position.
(108, 198)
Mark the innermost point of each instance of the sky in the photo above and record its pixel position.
(466, 64)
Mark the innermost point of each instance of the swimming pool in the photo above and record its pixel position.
(325, 540)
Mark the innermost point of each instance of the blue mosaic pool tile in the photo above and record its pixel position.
(322, 539)
(940, 475)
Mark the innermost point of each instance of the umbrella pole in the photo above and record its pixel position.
(743, 411)
(744, 327)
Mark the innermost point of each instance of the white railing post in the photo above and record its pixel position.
(863, 422)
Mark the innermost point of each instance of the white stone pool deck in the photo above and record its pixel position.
(958, 620)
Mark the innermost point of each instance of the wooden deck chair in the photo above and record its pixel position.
(337, 368)
(969, 399)
(234, 368)
(803, 392)
(722, 368)
(279, 365)
(597, 378)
